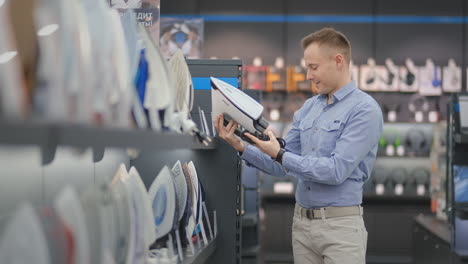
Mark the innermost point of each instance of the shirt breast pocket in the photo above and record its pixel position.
(330, 132)
(307, 134)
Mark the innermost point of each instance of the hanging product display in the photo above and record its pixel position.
(13, 101)
(193, 199)
(183, 202)
(255, 75)
(420, 180)
(144, 209)
(430, 82)
(390, 143)
(77, 62)
(101, 36)
(159, 94)
(126, 219)
(392, 106)
(49, 93)
(68, 206)
(181, 187)
(184, 94)
(60, 239)
(134, 47)
(196, 184)
(452, 81)
(101, 223)
(183, 83)
(141, 79)
(162, 194)
(122, 92)
(371, 76)
(276, 76)
(25, 37)
(23, 230)
(130, 29)
(417, 143)
(380, 179)
(399, 177)
(297, 79)
(418, 106)
(92, 214)
(390, 76)
(409, 77)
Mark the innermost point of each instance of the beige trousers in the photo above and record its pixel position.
(339, 240)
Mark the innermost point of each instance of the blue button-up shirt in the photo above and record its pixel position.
(331, 148)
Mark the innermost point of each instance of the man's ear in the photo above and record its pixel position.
(339, 60)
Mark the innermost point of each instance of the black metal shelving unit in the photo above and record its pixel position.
(218, 165)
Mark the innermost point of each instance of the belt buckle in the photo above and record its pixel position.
(310, 214)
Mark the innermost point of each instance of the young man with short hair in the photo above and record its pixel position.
(331, 150)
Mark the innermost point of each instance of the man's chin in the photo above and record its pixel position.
(321, 91)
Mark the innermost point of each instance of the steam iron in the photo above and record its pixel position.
(235, 104)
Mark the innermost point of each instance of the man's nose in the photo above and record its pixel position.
(310, 76)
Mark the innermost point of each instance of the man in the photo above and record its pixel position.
(331, 150)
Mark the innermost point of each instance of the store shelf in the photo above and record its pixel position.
(82, 136)
(393, 198)
(22, 133)
(437, 227)
(202, 255)
(412, 157)
(250, 220)
(462, 253)
(50, 135)
(460, 138)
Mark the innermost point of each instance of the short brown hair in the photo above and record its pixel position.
(330, 37)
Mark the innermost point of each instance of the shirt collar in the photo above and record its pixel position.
(345, 90)
(341, 93)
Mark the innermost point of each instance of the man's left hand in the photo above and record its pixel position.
(271, 147)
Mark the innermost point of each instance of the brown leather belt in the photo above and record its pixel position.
(330, 211)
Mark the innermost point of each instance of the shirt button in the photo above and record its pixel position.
(313, 149)
(308, 188)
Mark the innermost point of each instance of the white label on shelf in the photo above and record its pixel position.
(421, 190)
(390, 150)
(400, 150)
(418, 116)
(379, 189)
(399, 189)
(392, 116)
(433, 116)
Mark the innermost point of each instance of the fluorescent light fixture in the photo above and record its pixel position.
(7, 56)
(47, 30)
(2, 2)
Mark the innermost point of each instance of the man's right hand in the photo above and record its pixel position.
(227, 133)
